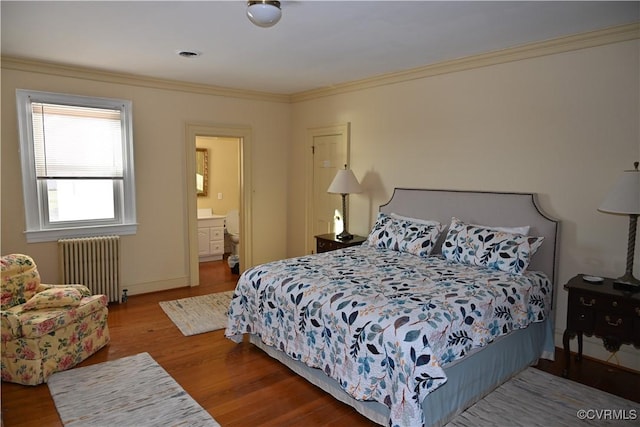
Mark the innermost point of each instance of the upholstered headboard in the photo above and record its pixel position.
(484, 208)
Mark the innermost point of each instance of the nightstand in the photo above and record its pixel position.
(600, 309)
(329, 242)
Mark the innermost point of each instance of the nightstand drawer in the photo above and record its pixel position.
(613, 324)
(327, 245)
(581, 319)
(581, 312)
(329, 242)
(587, 300)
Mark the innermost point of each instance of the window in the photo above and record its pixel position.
(77, 165)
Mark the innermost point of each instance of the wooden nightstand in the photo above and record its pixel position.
(600, 309)
(329, 242)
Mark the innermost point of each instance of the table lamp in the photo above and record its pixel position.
(344, 183)
(624, 199)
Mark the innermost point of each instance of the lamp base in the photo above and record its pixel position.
(627, 283)
(345, 235)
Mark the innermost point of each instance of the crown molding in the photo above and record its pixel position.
(605, 36)
(549, 47)
(63, 70)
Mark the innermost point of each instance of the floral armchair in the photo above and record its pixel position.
(46, 328)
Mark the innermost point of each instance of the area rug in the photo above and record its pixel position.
(196, 315)
(131, 391)
(536, 398)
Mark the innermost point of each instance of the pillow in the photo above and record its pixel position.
(404, 235)
(524, 230)
(84, 291)
(416, 220)
(420, 238)
(515, 230)
(386, 233)
(53, 298)
(488, 247)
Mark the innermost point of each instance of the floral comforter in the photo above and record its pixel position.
(381, 322)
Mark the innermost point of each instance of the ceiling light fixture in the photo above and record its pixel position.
(189, 53)
(264, 13)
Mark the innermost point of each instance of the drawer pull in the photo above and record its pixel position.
(615, 303)
(587, 304)
(608, 320)
(638, 311)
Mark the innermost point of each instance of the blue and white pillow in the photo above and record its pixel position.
(385, 233)
(420, 238)
(488, 247)
(404, 235)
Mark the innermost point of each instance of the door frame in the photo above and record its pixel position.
(243, 133)
(341, 129)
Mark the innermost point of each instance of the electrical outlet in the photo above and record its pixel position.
(219, 196)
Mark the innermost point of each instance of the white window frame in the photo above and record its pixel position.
(38, 227)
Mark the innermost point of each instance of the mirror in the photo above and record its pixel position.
(202, 172)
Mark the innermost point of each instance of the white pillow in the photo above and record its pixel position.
(416, 220)
(524, 230)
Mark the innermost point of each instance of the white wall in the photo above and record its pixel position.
(563, 126)
(157, 256)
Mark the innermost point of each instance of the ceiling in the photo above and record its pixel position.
(316, 44)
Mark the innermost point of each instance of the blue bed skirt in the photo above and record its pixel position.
(468, 379)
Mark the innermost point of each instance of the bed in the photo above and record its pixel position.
(451, 296)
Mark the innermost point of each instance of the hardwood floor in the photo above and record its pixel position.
(238, 384)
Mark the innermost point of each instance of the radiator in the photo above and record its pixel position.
(93, 262)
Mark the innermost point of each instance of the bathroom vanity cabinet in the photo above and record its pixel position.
(211, 238)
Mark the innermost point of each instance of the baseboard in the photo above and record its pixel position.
(163, 285)
(627, 357)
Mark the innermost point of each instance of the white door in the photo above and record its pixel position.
(203, 241)
(330, 153)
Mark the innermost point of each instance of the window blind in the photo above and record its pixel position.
(73, 142)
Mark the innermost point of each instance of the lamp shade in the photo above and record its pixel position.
(345, 182)
(264, 13)
(624, 196)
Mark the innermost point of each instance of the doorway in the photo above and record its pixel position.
(219, 194)
(206, 134)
